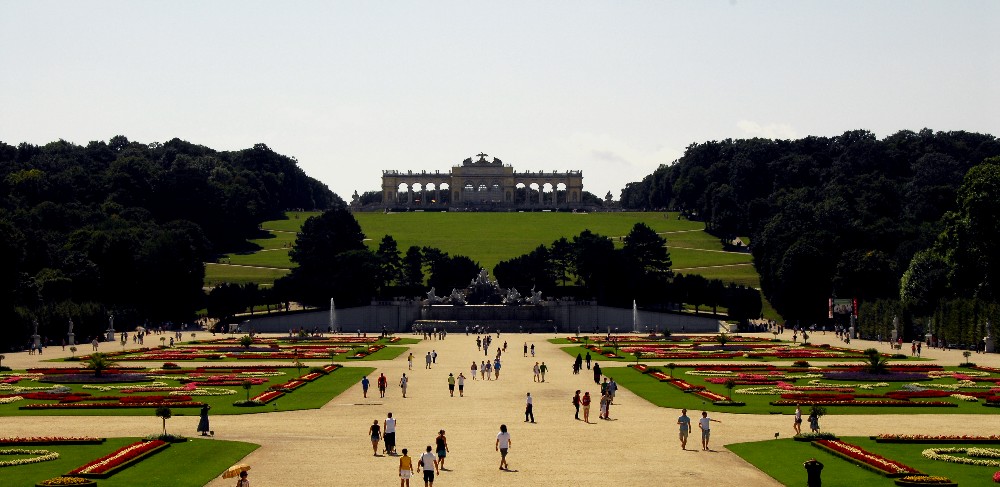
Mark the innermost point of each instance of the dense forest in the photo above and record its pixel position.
(123, 228)
(845, 216)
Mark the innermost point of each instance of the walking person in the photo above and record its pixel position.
(429, 463)
(461, 385)
(496, 369)
(442, 448)
(576, 404)
(797, 423)
(612, 389)
(528, 413)
(427, 359)
(473, 370)
(403, 382)
(451, 384)
(479, 343)
(434, 357)
(375, 431)
(389, 434)
(685, 423)
(488, 370)
(503, 446)
(364, 386)
(537, 372)
(543, 368)
(203, 427)
(525, 349)
(585, 402)
(383, 383)
(587, 358)
(705, 425)
(532, 349)
(597, 373)
(405, 469)
(409, 364)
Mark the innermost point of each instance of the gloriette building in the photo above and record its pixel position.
(482, 185)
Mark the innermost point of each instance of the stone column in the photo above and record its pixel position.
(437, 194)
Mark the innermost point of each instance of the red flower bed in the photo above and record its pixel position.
(50, 440)
(785, 402)
(54, 396)
(142, 399)
(742, 382)
(331, 367)
(865, 458)
(891, 438)
(268, 396)
(685, 386)
(640, 367)
(660, 376)
(903, 395)
(732, 367)
(711, 396)
(111, 405)
(311, 376)
(108, 464)
(288, 386)
(818, 397)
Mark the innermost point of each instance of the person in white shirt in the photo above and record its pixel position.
(389, 434)
(705, 425)
(403, 382)
(461, 385)
(429, 463)
(503, 445)
(528, 412)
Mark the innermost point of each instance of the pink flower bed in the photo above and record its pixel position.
(887, 403)
(108, 464)
(113, 405)
(856, 454)
(892, 438)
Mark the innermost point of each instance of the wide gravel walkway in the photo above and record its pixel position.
(330, 446)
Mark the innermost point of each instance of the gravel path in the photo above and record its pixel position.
(639, 446)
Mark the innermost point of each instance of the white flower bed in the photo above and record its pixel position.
(44, 456)
(8, 400)
(977, 454)
(106, 388)
(206, 391)
(963, 397)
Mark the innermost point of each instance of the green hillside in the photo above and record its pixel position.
(489, 238)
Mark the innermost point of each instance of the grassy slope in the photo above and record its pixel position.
(171, 467)
(488, 238)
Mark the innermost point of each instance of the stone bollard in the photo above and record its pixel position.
(813, 469)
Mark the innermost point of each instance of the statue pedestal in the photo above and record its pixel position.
(36, 340)
(111, 334)
(72, 339)
(990, 345)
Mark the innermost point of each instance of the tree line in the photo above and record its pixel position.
(905, 218)
(124, 227)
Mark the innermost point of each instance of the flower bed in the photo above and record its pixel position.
(711, 396)
(891, 438)
(50, 440)
(660, 376)
(919, 480)
(112, 405)
(893, 403)
(984, 457)
(267, 397)
(865, 376)
(288, 386)
(107, 465)
(42, 456)
(76, 481)
(684, 385)
(92, 379)
(865, 458)
(310, 377)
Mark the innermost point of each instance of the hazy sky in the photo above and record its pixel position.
(614, 88)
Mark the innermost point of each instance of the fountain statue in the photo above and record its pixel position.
(70, 335)
(36, 339)
(457, 298)
(536, 297)
(111, 328)
(432, 298)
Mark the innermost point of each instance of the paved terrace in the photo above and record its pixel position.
(330, 446)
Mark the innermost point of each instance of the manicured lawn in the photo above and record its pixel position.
(665, 395)
(783, 458)
(192, 463)
(277, 258)
(216, 274)
(313, 395)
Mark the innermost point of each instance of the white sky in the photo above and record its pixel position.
(614, 88)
